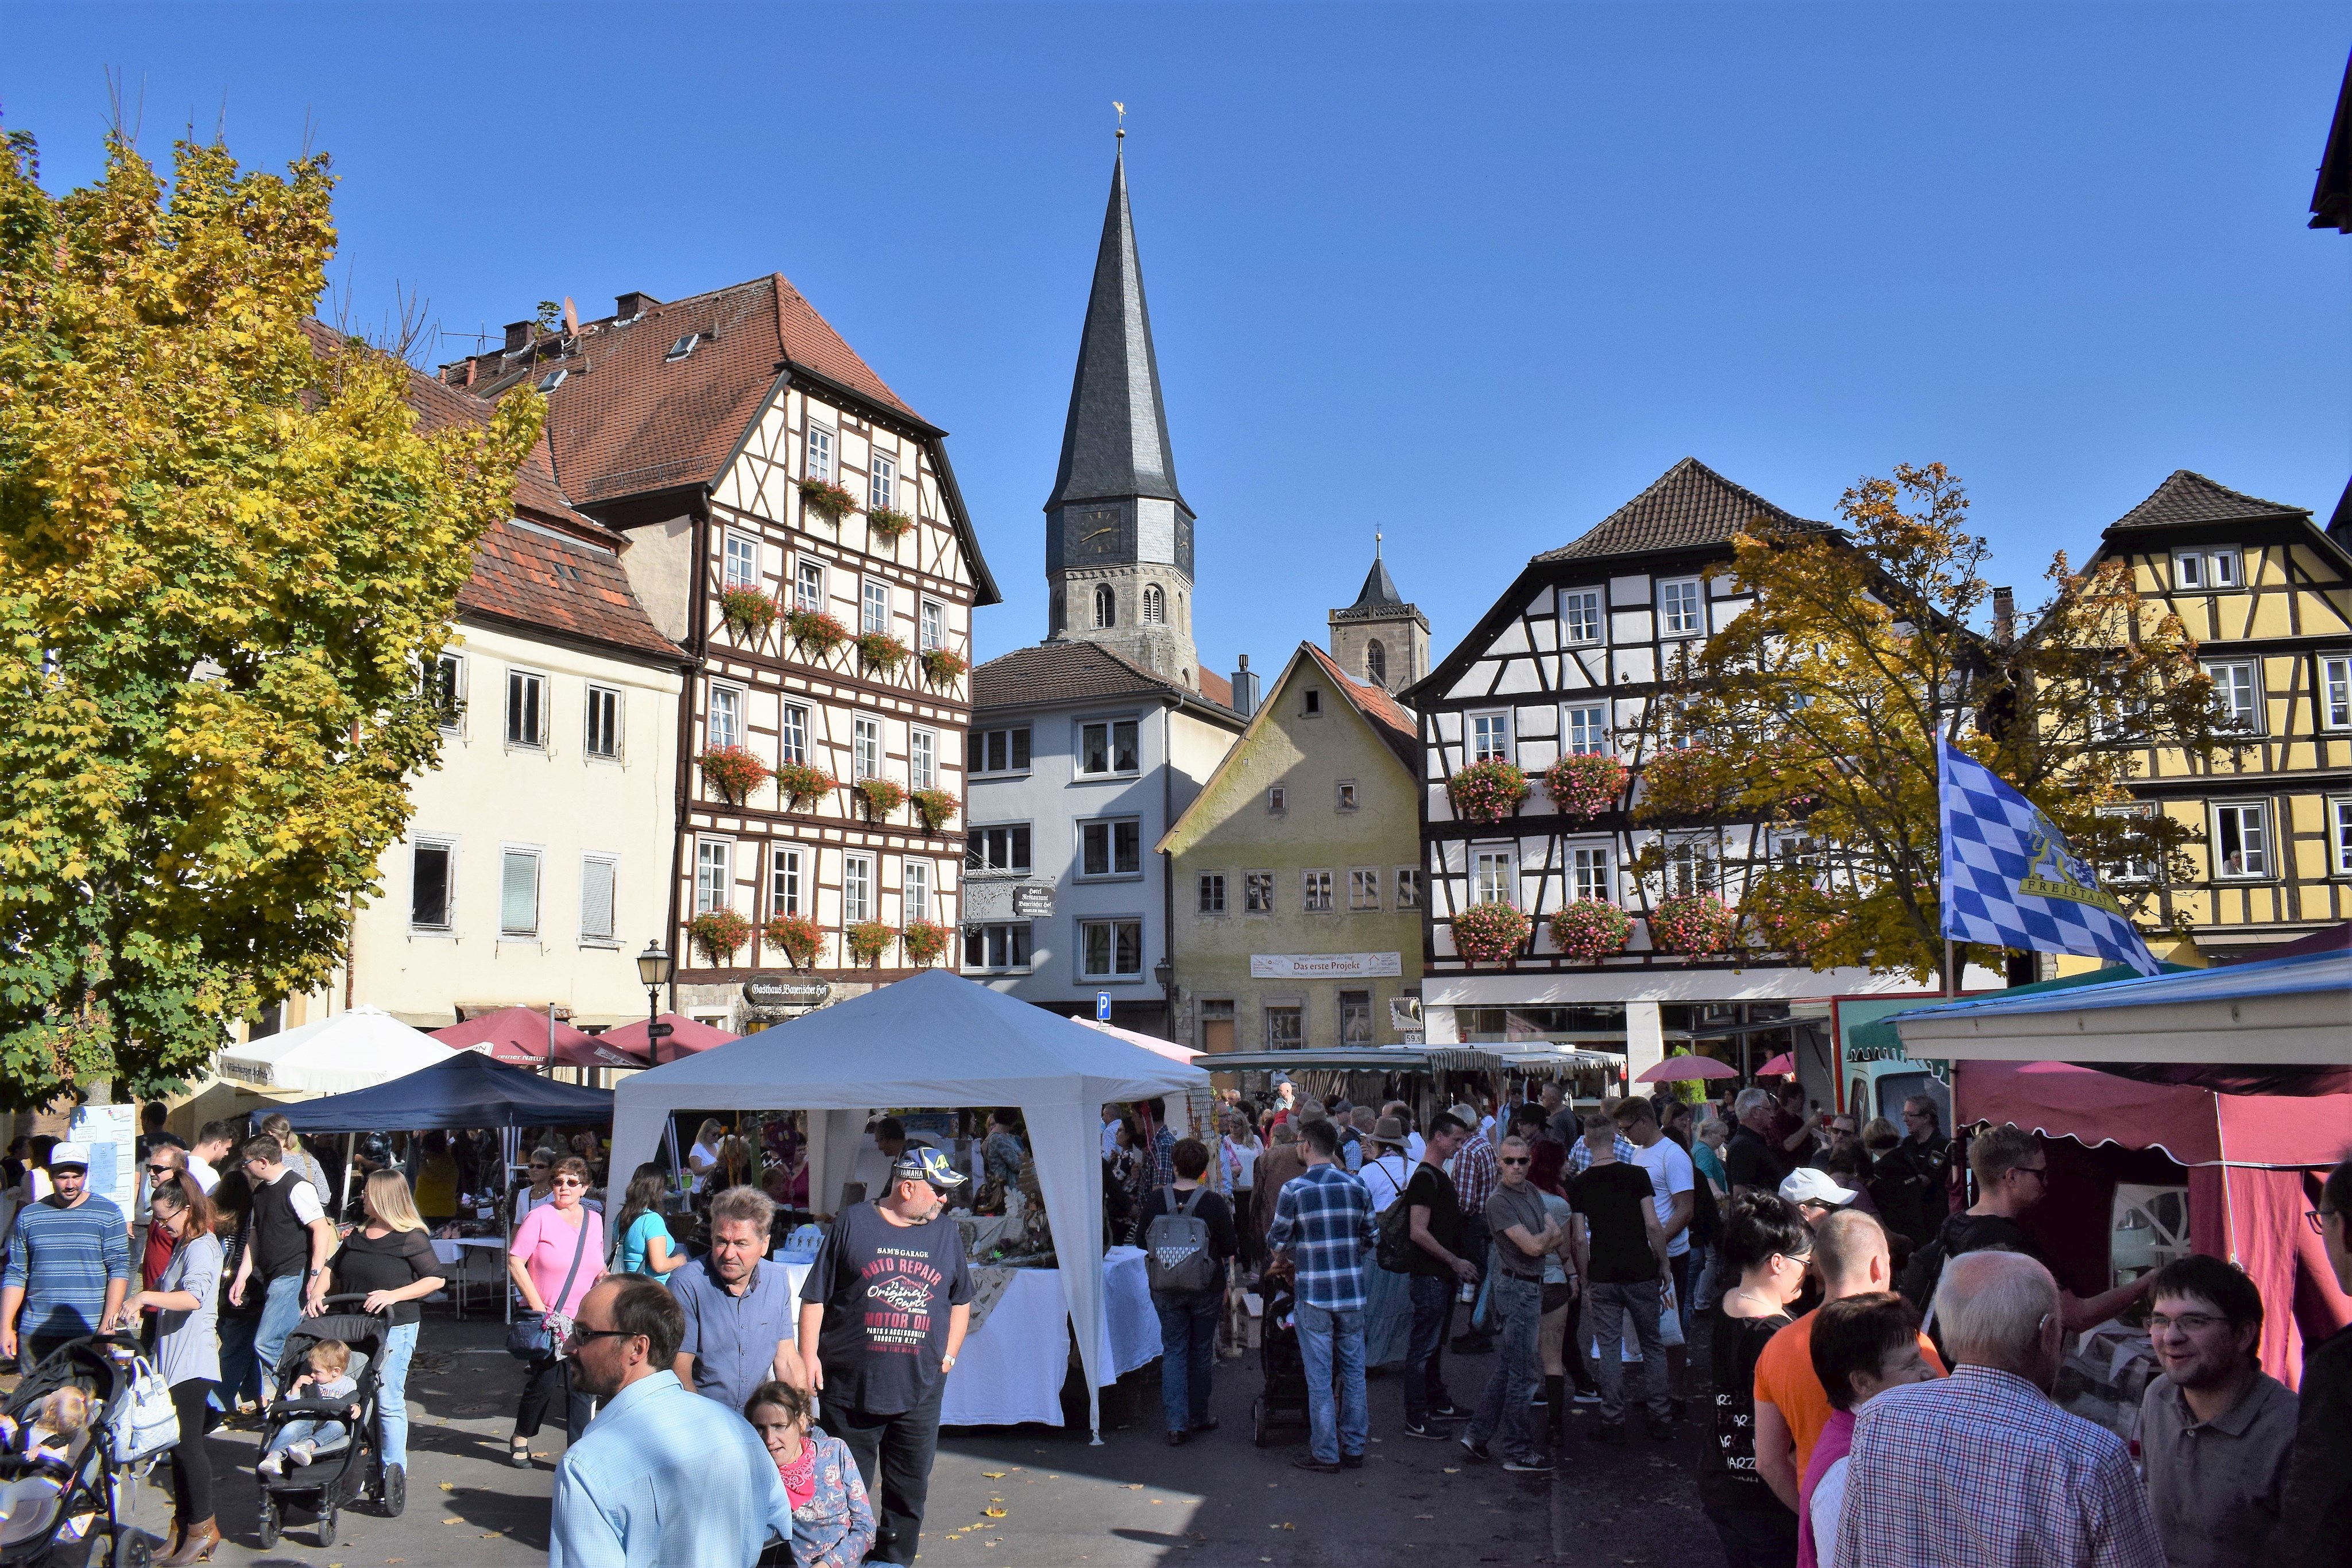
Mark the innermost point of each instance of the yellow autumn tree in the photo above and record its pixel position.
(1816, 713)
(226, 553)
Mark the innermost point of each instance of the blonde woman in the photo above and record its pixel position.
(391, 1262)
(703, 1158)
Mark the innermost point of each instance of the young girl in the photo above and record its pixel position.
(832, 1522)
(329, 1377)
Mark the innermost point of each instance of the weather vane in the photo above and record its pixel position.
(1122, 131)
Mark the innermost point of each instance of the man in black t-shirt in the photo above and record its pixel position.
(883, 1313)
(1435, 1214)
(1620, 1255)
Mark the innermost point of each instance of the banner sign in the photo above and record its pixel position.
(1324, 966)
(779, 993)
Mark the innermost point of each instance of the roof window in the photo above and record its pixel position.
(683, 346)
(552, 380)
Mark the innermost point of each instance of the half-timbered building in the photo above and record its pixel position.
(750, 458)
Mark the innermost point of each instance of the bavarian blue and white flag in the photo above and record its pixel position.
(2010, 879)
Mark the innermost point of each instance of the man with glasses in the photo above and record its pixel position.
(69, 1263)
(2012, 1175)
(1908, 1184)
(1524, 1236)
(164, 1163)
(292, 1238)
(2215, 1430)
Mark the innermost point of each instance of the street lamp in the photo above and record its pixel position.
(652, 969)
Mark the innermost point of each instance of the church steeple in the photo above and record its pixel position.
(1381, 638)
(1118, 533)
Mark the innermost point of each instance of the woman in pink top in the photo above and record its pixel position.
(557, 1254)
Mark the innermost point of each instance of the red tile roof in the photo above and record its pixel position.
(1216, 688)
(1072, 670)
(1392, 718)
(1688, 506)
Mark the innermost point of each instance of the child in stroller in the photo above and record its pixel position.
(327, 1378)
(318, 1441)
(58, 1497)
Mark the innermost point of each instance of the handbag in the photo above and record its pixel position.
(146, 1423)
(530, 1338)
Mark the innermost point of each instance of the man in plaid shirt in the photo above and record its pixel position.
(1981, 1470)
(1324, 1222)
(1475, 1176)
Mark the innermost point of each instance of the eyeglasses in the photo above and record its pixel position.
(2039, 1173)
(539, 1164)
(2186, 1323)
(1509, 1161)
(579, 1335)
(567, 1181)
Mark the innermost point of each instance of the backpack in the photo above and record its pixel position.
(1176, 1257)
(1396, 1251)
(1960, 1233)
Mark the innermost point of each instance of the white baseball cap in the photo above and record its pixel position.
(69, 1154)
(1806, 1184)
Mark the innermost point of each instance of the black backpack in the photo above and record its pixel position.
(1960, 1233)
(1396, 1252)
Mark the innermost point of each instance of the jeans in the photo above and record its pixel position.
(323, 1434)
(1425, 1374)
(1703, 1290)
(893, 1457)
(1518, 1309)
(1324, 1337)
(392, 1392)
(1478, 1246)
(1607, 1307)
(240, 1375)
(1188, 1350)
(281, 1309)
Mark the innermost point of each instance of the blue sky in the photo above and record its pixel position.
(1473, 274)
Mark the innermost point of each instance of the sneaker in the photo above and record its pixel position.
(1423, 1429)
(1609, 1432)
(1477, 1451)
(1449, 1411)
(301, 1452)
(1310, 1462)
(1533, 1465)
(272, 1465)
(1178, 1439)
(1588, 1397)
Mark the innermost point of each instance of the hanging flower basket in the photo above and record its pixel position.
(815, 633)
(882, 797)
(1585, 785)
(880, 651)
(943, 665)
(803, 786)
(795, 936)
(1591, 930)
(718, 935)
(748, 612)
(1696, 923)
(734, 771)
(1490, 933)
(933, 806)
(869, 940)
(826, 499)
(924, 940)
(1487, 792)
(888, 522)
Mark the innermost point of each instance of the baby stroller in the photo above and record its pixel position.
(1283, 1400)
(59, 1491)
(347, 1468)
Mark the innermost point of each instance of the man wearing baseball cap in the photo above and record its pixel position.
(68, 1265)
(1816, 1196)
(883, 1313)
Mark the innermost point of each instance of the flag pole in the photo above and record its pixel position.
(1951, 967)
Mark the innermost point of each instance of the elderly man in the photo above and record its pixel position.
(739, 1309)
(69, 1263)
(1752, 1159)
(1324, 1222)
(2215, 1430)
(1981, 1470)
(661, 1477)
(1524, 1235)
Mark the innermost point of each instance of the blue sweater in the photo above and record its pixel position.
(62, 1258)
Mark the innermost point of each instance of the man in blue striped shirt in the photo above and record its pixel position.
(1323, 1221)
(69, 1263)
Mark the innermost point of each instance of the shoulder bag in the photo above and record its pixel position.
(529, 1338)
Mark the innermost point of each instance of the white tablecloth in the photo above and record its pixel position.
(1013, 1370)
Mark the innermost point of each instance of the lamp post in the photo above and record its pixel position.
(652, 969)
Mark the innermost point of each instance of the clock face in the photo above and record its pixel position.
(1097, 534)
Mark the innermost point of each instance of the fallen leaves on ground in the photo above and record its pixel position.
(997, 1475)
(993, 1512)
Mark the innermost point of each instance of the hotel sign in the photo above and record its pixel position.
(1324, 966)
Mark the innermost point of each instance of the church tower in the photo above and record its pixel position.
(1379, 639)
(1118, 536)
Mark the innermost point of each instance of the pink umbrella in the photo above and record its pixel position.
(516, 1036)
(1781, 1066)
(686, 1037)
(1676, 1068)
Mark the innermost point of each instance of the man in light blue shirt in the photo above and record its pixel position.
(660, 1479)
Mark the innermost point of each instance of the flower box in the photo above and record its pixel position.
(748, 612)
(718, 935)
(1695, 923)
(826, 499)
(933, 806)
(1585, 785)
(803, 786)
(815, 633)
(1487, 792)
(924, 940)
(869, 940)
(882, 797)
(734, 771)
(1490, 933)
(795, 936)
(1591, 930)
(943, 665)
(880, 651)
(888, 522)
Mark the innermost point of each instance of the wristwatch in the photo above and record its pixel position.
(947, 1364)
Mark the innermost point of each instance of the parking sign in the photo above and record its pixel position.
(1102, 1006)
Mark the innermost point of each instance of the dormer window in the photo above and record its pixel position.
(683, 346)
(2205, 570)
(552, 380)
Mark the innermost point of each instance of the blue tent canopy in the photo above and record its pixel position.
(469, 1089)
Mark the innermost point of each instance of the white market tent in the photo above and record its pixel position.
(934, 1041)
(358, 1048)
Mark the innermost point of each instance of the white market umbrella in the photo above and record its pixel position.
(354, 1050)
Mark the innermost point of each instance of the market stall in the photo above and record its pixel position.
(937, 1041)
(354, 1049)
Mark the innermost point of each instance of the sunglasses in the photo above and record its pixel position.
(160, 1170)
(1512, 1162)
(568, 1181)
(579, 1335)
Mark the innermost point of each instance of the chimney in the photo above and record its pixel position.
(1244, 689)
(519, 334)
(635, 302)
(2004, 616)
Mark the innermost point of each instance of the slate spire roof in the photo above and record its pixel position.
(1380, 589)
(1115, 443)
(2188, 497)
(1688, 506)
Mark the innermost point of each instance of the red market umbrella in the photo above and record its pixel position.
(1781, 1066)
(516, 1036)
(1675, 1069)
(598, 1051)
(686, 1038)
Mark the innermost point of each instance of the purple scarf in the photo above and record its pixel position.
(1834, 1443)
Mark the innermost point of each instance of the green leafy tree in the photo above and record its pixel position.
(226, 555)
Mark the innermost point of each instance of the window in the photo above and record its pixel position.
(448, 690)
(714, 874)
(1363, 890)
(881, 483)
(1681, 610)
(2133, 865)
(1155, 605)
(998, 849)
(865, 747)
(1106, 746)
(1347, 794)
(1355, 1018)
(1001, 751)
(856, 889)
(2335, 691)
(742, 561)
(597, 875)
(603, 722)
(526, 708)
(784, 884)
(934, 624)
(1277, 800)
(2242, 843)
(793, 736)
(518, 893)
(1690, 869)
(1111, 949)
(2235, 705)
(433, 885)
(1258, 892)
(1588, 731)
(1316, 887)
(819, 463)
(1490, 738)
(1492, 880)
(915, 890)
(999, 947)
(726, 723)
(1286, 1029)
(1588, 873)
(876, 602)
(1213, 893)
(1105, 606)
(683, 346)
(2207, 570)
(1311, 703)
(1376, 663)
(1408, 886)
(1579, 615)
(808, 586)
(2340, 834)
(1113, 848)
(552, 380)
(922, 758)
